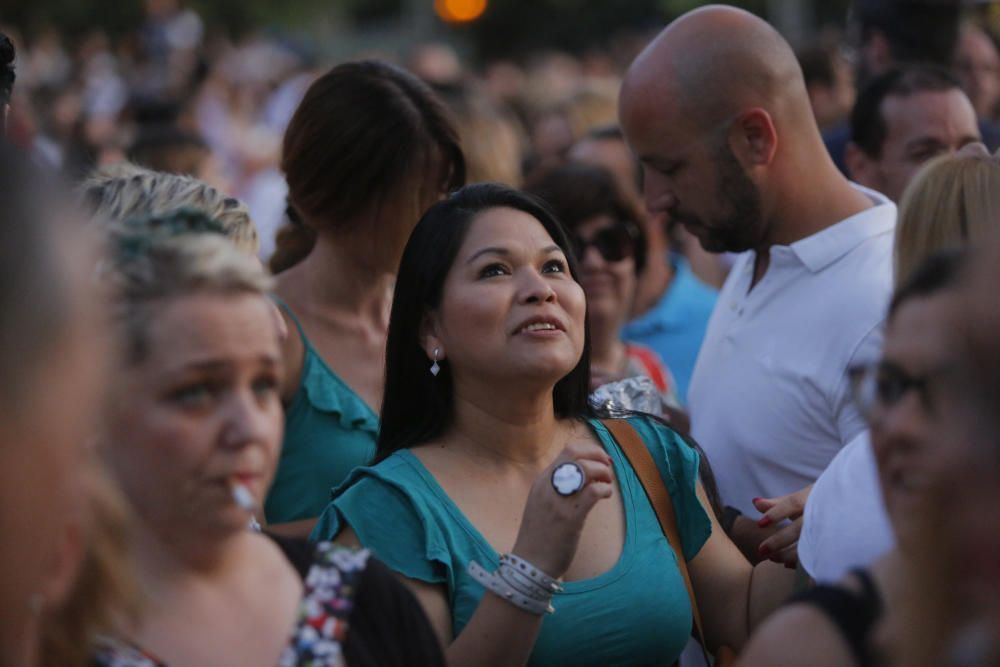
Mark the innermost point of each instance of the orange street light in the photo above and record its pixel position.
(459, 11)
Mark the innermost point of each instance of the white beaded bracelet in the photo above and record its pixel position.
(537, 602)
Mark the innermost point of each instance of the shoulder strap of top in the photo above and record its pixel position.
(871, 599)
(638, 455)
(295, 320)
(298, 325)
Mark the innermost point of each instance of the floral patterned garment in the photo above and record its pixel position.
(321, 625)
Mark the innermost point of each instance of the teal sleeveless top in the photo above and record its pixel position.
(636, 613)
(329, 431)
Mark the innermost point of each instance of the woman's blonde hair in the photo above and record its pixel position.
(156, 259)
(953, 201)
(124, 190)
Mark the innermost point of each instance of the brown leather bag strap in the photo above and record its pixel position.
(649, 476)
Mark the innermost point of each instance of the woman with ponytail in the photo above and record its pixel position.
(369, 148)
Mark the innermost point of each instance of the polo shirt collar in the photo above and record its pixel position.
(825, 247)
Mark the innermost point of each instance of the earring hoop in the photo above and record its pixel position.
(436, 367)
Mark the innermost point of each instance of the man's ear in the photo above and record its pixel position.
(861, 168)
(754, 139)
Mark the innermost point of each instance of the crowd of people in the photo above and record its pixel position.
(578, 362)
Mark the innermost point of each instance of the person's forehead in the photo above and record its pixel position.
(501, 226)
(922, 331)
(977, 46)
(931, 112)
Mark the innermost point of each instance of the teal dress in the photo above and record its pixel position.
(329, 431)
(636, 613)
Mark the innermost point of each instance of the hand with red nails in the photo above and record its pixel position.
(782, 546)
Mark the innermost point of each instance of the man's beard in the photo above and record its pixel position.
(740, 227)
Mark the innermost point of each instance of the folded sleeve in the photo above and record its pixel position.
(391, 522)
(678, 465)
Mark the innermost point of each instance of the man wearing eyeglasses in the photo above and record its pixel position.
(717, 111)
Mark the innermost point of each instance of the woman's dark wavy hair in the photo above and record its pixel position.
(365, 133)
(417, 406)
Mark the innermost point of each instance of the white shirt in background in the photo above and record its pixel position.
(770, 400)
(845, 524)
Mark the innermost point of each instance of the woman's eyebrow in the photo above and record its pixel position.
(491, 249)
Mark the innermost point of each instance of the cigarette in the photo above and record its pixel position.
(243, 497)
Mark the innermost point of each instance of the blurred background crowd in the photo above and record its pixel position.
(314, 135)
(208, 88)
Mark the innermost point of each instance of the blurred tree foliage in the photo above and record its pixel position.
(120, 16)
(512, 26)
(508, 26)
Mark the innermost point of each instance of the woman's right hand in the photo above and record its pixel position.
(552, 523)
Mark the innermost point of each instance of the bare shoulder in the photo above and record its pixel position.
(434, 455)
(798, 634)
(292, 348)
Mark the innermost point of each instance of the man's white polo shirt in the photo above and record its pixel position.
(770, 400)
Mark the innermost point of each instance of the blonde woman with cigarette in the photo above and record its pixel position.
(193, 436)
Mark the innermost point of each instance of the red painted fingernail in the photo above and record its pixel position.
(764, 550)
(756, 499)
(764, 522)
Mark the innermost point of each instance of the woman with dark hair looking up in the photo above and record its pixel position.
(369, 148)
(488, 447)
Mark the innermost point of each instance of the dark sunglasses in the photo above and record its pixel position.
(614, 243)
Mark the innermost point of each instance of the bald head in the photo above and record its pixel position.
(716, 61)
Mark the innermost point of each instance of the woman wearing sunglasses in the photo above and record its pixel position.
(611, 249)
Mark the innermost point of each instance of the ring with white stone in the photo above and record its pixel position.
(568, 478)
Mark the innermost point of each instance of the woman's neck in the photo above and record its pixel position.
(167, 556)
(519, 430)
(339, 275)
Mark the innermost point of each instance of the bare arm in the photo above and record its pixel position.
(797, 635)
(734, 596)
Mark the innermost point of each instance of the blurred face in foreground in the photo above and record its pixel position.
(43, 448)
(913, 405)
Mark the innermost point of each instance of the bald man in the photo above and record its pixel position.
(717, 111)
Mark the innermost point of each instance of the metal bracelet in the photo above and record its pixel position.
(495, 584)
